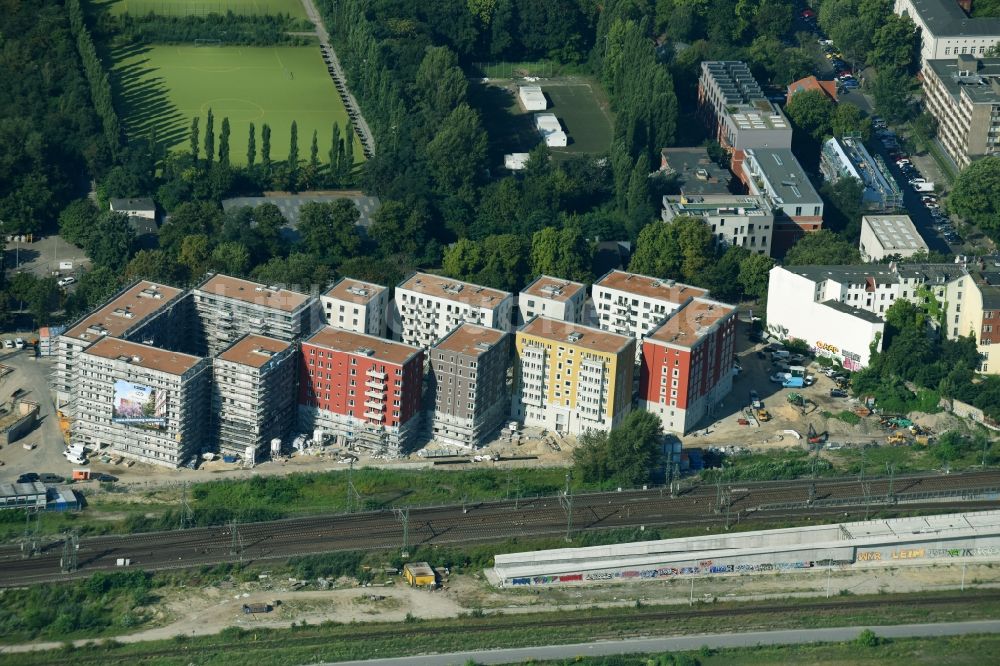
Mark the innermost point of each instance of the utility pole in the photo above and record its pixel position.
(868, 497)
(986, 441)
(353, 496)
(236, 541)
(29, 546)
(566, 501)
(403, 516)
(186, 514)
(812, 492)
(718, 494)
(891, 468)
(68, 561)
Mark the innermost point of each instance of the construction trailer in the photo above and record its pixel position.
(419, 574)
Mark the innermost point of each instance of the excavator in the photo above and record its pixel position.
(815, 438)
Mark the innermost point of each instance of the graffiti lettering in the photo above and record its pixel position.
(869, 556)
(907, 554)
(963, 552)
(827, 347)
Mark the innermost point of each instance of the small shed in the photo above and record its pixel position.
(419, 574)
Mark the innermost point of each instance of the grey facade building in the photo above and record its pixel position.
(253, 394)
(147, 404)
(229, 307)
(469, 384)
(735, 219)
(963, 95)
(737, 110)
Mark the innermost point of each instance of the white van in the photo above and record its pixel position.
(75, 458)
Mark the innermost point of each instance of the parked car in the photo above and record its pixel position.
(780, 377)
(850, 83)
(66, 281)
(8, 344)
(27, 477)
(931, 204)
(46, 477)
(106, 478)
(19, 343)
(838, 393)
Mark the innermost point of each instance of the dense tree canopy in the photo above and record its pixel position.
(976, 195)
(627, 456)
(822, 247)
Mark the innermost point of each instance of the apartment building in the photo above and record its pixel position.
(740, 220)
(778, 177)
(687, 364)
(362, 388)
(570, 378)
(228, 307)
(146, 403)
(945, 28)
(963, 95)
(429, 307)
(737, 112)
(145, 312)
(253, 395)
(469, 397)
(356, 306)
(634, 305)
(847, 157)
(885, 236)
(552, 297)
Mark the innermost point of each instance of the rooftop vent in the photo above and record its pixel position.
(552, 290)
(357, 291)
(453, 288)
(265, 352)
(482, 346)
(125, 313)
(701, 174)
(365, 351)
(574, 337)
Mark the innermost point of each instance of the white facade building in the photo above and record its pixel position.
(634, 305)
(946, 30)
(532, 98)
(799, 308)
(551, 297)
(429, 307)
(354, 305)
(888, 235)
(548, 126)
(736, 219)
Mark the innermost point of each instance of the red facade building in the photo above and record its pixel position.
(363, 388)
(687, 364)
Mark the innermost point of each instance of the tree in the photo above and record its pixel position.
(563, 253)
(678, 249)
(892, 90)
(111, 243)
(755, 271)
(154, 265)
(923, 129)
(298, 268)
(849, 120)
(210, 137)
(843, 207)
(822, 247)
(976, 195)
(637, 202)
(336, 154)
(231, 258)
(329, 230)
(398, 228)
(293, 158)
(440, 85)
(811, 111)
(224, 143)
(626, 456)
(456, 154)
(312, 168)
(194, 254)
(193, 139)
(77, 221)
(895, 43)
(498, 261)
(252, 147)
(265, 147)
(189, 219)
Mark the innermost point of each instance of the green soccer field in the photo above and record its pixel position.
(167, 86)
(293, 8)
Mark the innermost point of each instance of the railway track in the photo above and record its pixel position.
(607, 623)
(699, 505)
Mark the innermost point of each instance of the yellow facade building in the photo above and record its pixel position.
(571, 378)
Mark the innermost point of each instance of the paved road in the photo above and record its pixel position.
(655, 645)
(367, 139)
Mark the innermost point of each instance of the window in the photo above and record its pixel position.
(798, 210)
(947, 50)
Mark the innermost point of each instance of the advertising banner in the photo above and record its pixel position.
(138, 405)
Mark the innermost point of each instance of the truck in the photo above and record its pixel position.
(793, 382)
(923, 186)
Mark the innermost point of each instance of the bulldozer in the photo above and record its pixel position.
(898, 438)
(763, 415)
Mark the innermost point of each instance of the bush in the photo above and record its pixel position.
(868, 639)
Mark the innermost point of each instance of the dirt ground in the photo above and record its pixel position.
(208, 610)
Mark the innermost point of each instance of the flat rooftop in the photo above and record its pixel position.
(276, 298)
(670, 291)
(138, 203)
(454, 290)
(946, 18)
(554, 289)
(870, 317)
(253, 350)
(717, 204)
(593, 339)
(124, 311)
(692, 322)
(785, 174)
(881, 273)
(362, 345)
(894, 232)
(969, 75)
(22, 489)
(695, 171)
(470, 340)
(354, 291)
(143, 356)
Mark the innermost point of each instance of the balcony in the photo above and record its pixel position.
(375, 416)
(375, 374)
(375, 384)
(378, 395)
(373, 404)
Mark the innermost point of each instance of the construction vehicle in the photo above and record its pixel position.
(815, 437)
(796, 399)
(898, 439)
(763, 415)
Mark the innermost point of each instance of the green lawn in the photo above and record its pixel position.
(583, 110)
(166, 86)
(293, 8)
